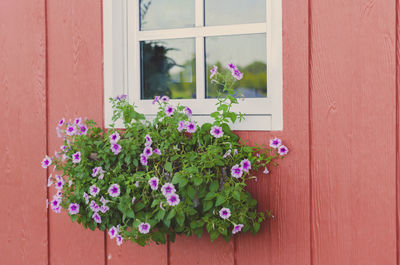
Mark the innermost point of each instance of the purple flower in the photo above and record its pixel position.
(235, 152)
(173, 199)
(246, 165)
(94, 206)
(95, 171)
(73, 208)
(188, 112)
(121, 97)
(144, 228)
(133, 199)
(59, 193)
(60, 184)
(46, 162)
(275, 143)
(61, 122)
(71, 130)
(232, 67)
(237, 74)
(104, 208)
(83, 129)
(170, 110)
(153, 182)
(283, 150)
(103, 200)
(164, 98)
(237, 228)
(114, 138)
(217, 132)
(116, 148)
(113, 232)
(168, 189)
(156, 99)
(266, 171)
(148, 140)
(119, 240)
(86, 197)
(78, 121)
(148, 151)
(225, 213)
(76, 158)
(96, 217)
(49, 181)
(143, 160)
(213, 71)
(56, 209)
(157, 151)
(55, 202)
(228, 153)
(181, 126)
(191, 127)
(114, 190)
(236, 171)
(93, 190)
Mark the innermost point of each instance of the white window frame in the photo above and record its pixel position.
(121, 44)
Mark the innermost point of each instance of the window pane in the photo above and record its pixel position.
(227, 12)
(168, 67)
(163, 14)
(249, 53)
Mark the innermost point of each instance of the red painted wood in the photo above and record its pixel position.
(353, 132)
(286, 239)
(133, 254)
(75, 89)
(23, 222)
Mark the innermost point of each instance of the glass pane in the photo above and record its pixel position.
(163, 14)
(168, 67)
(249, 53)
(227, 12)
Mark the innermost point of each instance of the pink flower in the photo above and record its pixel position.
(156, 99)
(213, 71)
(144, 228)
(113, 232)
(181, 126)
(61, 122)
(83, 129)
(78, 121)
(237, 74)
(191, 127)
(169, 111)
(46, 162)
(275, 143)
(246, 165)
(71, 130)
(148, 151)
(148, 139)
(73, 208)
(266, 171)
(237, 228)
(188, 112)
(283, 150)
(114, 138)
(157, 151)
(114, 190)
(153, 182)
(168, 189)
(143, 160)
(217, 132)
(225, 213)
(76, 158)
(119, 240)
(116, 148)
(164, 98)
(96, 217)
(236, 171)
(173, 199)
(94, 190)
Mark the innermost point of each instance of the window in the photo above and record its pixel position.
(167, 47)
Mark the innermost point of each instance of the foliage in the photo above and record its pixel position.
(163, 177)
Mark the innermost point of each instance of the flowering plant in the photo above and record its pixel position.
(161, 178)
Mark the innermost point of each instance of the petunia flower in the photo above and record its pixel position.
(228, 153)
(71, 130)
(114, 138)
(266, 171)
(157, 151)
(148, 139)
(213, 71)
(191, 127)
(232, 67)
(86, 197)
(275, 143)
(113, 232)
(237, 74)
(283, 150)
(61, 122)
(76, 158)
(164, 98)
(188, 112)
(104, 208)
(116, 148)
(143, 160)
(60, 184)
(144, 228)
(114, 190)
(94, 190)
(217, 132)
(225, 213)
(46, 162)
(78, 121)
(170, 110)
(156, 99)
(148, 151)
(173, 199)
(237, 228)
(153, 182)
(236, 171)
(181, 126)
(246, 165)
(168, 189)
(96, 217)
(94, 206)
(119, 240)
(73, 208)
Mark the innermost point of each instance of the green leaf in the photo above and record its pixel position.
(220, 200)
(191, 192)
(214, 235)
(158, 237)
(197, 180)
(168, 166)
(130, 213)
(92, 226)
(207, 206)
(214, 186)
(210, 196)
(180, 218)
(171, 214)
(236, 195)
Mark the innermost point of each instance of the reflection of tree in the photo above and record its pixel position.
(253, 84)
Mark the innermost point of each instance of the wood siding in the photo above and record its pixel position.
(335, 197)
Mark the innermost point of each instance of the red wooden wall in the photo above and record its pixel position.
(335, 197)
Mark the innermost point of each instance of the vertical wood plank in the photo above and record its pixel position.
(75, 90)
(286, 239)
(353, 132)
(23, 222)
(398, 128)
(133, 254)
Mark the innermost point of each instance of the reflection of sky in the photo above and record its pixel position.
(166, 14)
(240, 49)
(225, 12)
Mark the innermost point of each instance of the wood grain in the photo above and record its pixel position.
(75, 90)
(353, 132)
(23, 222)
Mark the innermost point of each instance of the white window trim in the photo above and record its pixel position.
(261, 113)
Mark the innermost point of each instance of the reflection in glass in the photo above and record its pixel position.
(163, 14)
(168, 67)
(249, 53)
(227, 12)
